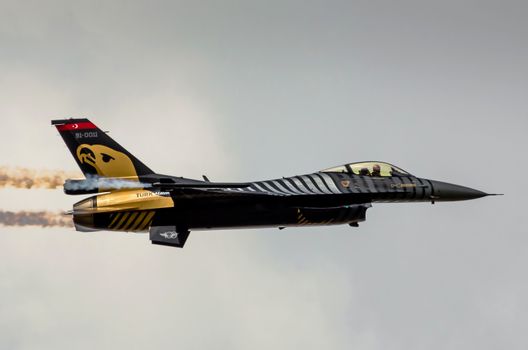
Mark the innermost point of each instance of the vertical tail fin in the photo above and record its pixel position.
(96, 153)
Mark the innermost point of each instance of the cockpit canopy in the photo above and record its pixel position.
(376, 169)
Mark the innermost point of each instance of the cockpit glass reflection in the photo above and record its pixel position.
(374, 169)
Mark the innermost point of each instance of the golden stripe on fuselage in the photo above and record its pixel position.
(116, 216)
(122, 221)
(147, 221)
(138, 221)
(129, 221)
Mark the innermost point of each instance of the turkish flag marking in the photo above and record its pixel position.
(76, 126)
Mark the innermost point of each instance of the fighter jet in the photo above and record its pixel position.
(131, 197)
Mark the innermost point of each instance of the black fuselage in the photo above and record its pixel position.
(312, 199)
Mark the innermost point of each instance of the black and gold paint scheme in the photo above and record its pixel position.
(106, 161)
(123, 210)
(96, 153)
(131, 221)
(169, 207)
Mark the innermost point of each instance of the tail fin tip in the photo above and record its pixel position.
(95, 152)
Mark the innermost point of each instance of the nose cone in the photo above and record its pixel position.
(443, 191)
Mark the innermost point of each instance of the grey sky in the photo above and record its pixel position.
(243, 90)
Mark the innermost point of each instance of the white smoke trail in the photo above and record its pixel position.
(96, 182)
(33, 178)
(35, 218)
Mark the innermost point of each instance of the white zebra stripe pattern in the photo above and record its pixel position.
(260, 188)
(280, 187)
(310, 184)
(328, 180)
(321, 185)
(300, 185)
(284, 187)
(291, 187)
(269, 188)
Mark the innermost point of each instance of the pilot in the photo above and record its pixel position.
(376, 170)
(364, 171)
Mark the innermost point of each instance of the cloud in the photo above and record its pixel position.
(249, 91)
(156, 296)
